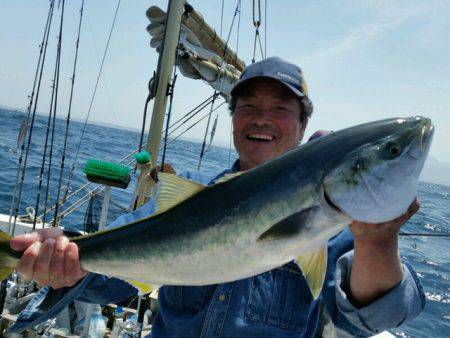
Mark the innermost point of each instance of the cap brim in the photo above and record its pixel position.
(242, 83)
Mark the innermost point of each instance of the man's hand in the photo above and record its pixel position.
(49, 258)
(382, 231)
(377, 267)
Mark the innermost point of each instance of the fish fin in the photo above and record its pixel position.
(142, 288)
(5, 262)
(314, 267)
(228, 177)
(172, 190)
(289, 226)
(5, 272)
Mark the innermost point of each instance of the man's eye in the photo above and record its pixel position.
(281, 108)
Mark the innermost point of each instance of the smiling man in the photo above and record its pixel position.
(366, 290)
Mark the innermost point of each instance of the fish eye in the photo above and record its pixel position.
(393, 149)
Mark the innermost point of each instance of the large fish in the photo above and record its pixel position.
(251, 222)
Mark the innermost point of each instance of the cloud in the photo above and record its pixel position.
(387, 16)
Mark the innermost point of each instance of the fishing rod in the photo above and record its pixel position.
(445, 234)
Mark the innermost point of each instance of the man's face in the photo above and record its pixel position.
(266, 122)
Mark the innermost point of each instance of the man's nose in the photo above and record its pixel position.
(261, 122)
(262, 118)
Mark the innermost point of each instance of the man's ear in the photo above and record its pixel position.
(302, 130)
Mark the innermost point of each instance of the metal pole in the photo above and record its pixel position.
(105, 207)
(167, 62)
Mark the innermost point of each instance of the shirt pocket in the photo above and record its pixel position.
(185, 298)
(280, 298)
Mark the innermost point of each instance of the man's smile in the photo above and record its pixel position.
(260, 137)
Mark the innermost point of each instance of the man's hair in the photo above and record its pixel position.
(306, 105)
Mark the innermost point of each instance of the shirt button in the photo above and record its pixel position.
(222, 298)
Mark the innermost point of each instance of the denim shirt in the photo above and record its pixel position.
(277, 303)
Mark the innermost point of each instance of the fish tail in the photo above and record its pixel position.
(8, 259)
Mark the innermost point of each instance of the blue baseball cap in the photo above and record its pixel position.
(287, 73)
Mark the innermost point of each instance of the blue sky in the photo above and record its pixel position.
(363, 60)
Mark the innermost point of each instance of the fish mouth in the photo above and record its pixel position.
(330, 202)
(419, 148)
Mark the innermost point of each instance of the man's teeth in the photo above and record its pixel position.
(260, 137)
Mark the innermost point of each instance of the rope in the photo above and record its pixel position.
(63, 156)
(23, 171)
(92, 100)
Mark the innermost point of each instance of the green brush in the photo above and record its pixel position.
(106, 173)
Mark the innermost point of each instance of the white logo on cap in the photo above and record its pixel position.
(289, 78)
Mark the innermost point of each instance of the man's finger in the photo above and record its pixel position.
(21, 242)
(26, 263)
(42, 264)
(71, 265)
(56, 273)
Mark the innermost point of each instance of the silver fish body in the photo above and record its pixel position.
(273, 213)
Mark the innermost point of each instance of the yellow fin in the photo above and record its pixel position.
(5, 259)
(314, 267)
(5, 271)
(228, 177)
(142, 287)
(4, 237)
(172, 190)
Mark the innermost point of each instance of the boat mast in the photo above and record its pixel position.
(166, 63)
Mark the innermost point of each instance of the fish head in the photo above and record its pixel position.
(377, 181)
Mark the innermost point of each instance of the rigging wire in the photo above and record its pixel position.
(88, 184)
(53, 108)
(237, 51)
(24, 126)
(92, 101)
(170, 92)
(221, 17)
(257, 23)
(150, 96)
(192, 114)
(194, 124)
(238, 28)
(169, 113)
(30, 133)
(69, 110)
(202, 151)
(265, 28)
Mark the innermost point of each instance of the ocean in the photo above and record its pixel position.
(428, 255)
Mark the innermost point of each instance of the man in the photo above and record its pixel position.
(366, 290)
